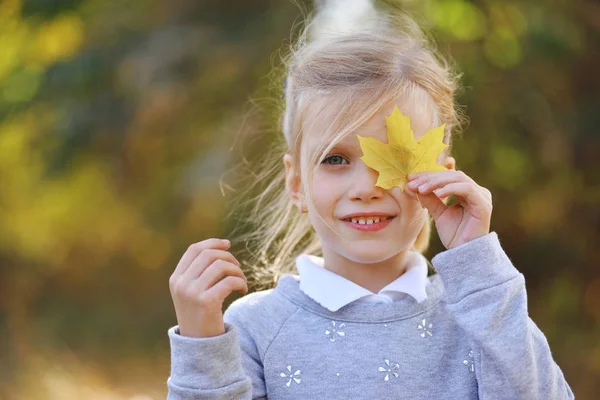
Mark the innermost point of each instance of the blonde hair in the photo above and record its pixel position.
(360, 59)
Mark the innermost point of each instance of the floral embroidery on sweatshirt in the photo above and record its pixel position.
(333, 331)
(470, 362)
(295, 376)
(425, 327)
(389, 369)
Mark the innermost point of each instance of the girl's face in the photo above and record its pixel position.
(344, 186)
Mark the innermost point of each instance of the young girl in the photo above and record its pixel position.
(364, 319)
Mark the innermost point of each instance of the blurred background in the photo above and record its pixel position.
(121, 123)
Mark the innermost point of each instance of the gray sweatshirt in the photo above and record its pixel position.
(471, 338)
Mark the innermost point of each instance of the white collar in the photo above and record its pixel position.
(333, 291)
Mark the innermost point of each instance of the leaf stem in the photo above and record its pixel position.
(419, 200)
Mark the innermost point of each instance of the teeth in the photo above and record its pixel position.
(368, 220)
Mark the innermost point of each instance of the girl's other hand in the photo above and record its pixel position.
(198, 290)
(462, 222)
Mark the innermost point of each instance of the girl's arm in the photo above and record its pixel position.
(206, 359)
(487, 298)
(222, 367)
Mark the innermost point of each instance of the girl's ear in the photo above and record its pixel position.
(292, 182)
(450, 163)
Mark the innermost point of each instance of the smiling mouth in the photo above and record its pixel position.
(367, 220)
(368, 224)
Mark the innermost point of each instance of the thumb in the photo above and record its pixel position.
(432, 203)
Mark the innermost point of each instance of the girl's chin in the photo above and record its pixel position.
(370, 250)
(369, 254)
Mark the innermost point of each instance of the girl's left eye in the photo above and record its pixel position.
(334, 159)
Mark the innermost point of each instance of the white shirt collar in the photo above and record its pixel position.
(333, 291)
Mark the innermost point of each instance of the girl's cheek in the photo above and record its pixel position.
(323, 188)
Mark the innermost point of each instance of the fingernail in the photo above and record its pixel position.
(422, 187)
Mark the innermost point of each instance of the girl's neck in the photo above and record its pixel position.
(373, 277)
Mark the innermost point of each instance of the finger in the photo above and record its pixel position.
(434, 204)
(217, 271)
(206, 258)
(427, 181)
(474, 199)
(228, 285)
(410, 192)
(196, 248)
(436, 182)
(447, 172)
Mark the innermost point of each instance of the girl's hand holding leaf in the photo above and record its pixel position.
(462, 222)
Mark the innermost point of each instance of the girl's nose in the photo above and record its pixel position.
(362, 185)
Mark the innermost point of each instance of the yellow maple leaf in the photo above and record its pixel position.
(402, 155)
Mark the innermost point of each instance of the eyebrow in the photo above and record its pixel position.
(351, 141)
(347, 148)
(345, 143)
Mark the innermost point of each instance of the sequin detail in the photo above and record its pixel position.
(295, 376)
(425, 327)
(389, 370)
(333, 331)
(470, 362)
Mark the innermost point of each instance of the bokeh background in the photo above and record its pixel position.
(121, 123)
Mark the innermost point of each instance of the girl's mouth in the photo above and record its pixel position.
(368, 223)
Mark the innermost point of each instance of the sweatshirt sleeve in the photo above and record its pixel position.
(210, 368)
(486, 297)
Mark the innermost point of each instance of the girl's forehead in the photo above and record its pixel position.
(322, 115)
